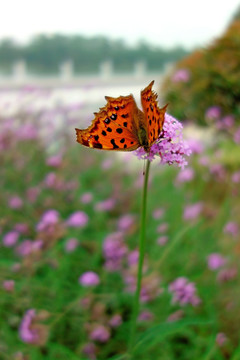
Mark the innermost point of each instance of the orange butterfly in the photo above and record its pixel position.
(121, 126)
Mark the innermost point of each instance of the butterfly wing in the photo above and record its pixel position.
(113, 126)
(154, 116)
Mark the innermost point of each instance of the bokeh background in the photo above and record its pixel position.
(69, 216)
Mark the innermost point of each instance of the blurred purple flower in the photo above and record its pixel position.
(89, 278)
(89, 349)
(162, 227)
(27, 247)
(185, 175)
(215, 261)
(192, 211)
(78, 219)
(100, 333)
(114, 250)
(54, 161)
(204, 160)
(32, 193)
(26, 332)
(27, 132)
(231, 228)
(10, 238)
(171, 147)
(236, 177)
(126, 222)
(22, 228)
(8, 285)
(195, 145)
(225, 275)
(221, 339)
(218, 171)
(51, 181)
(115, 321)
(86, 198)
(24, 248)
(162, 240)
(15, 202)
(145, 315)
(181, 75)
(107, 164)
(50, 217)
(226, 122)
(213, 113)
(105, 205)
(71, 245)
(133, 257)
(184, 292)
(158, 213)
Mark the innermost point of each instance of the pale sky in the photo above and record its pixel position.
(166, 23)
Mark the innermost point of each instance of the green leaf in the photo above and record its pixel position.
(159, 332)
(236, 355)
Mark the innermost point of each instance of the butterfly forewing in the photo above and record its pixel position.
(154, 116)
(113, 126)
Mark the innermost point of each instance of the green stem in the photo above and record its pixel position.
(142, 243)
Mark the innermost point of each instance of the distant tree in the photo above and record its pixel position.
(44, 53)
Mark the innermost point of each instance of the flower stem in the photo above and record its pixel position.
(142, 242)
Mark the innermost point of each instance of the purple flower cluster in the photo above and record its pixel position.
(114, 250)
(171, 147)
(184, 292)
(27, 333)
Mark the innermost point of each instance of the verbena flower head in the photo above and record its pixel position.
(213, 113)
(100, 333)
(184, 292)
(231, 228)
(77, 219)
(171, 147)
(89, 278)
(215, 261)
(114, 250)
(27, 333)
(8, 285)
(10, 238)
(50, 217)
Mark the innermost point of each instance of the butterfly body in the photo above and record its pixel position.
(122, 126)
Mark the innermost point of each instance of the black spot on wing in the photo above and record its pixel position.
(113, 116)
(114, 144)
(96, 145)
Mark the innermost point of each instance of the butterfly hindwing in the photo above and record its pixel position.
(113, 126)
(154, 116)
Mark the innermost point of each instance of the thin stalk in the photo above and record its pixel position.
(142, 245)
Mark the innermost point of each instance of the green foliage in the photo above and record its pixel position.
(214, 79)
(44, 54)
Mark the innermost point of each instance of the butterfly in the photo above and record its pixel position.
(120, 125)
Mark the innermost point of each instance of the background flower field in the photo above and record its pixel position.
(69, 234)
